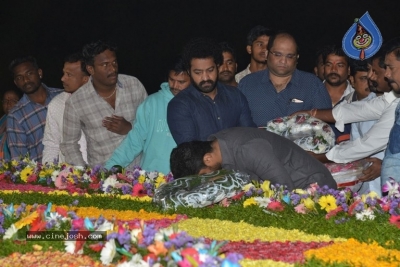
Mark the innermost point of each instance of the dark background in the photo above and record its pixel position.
(148, 32)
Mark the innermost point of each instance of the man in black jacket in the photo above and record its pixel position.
(261, 154)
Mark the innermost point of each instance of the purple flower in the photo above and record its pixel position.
(75, 202)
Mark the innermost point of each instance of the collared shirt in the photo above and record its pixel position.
(349, 90)
(304, 92)
(85, 111)
(381, 108)
(243, 73)
(53, 131)
(25, 126)
(192, 115)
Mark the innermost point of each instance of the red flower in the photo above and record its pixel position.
(333, 212)
(138, 190)
(238, 196)
(96, 247)
(395, 219)
(352, 207)
(32, 178)
(150, 256)
(276, 206)
(2, 176)
(94, 186)
(61, 211)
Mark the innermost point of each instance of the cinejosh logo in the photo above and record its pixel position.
(66, 236)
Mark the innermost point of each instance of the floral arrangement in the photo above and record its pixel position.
(128, 244)
(309, 133)
(76, 179)
(340, 204)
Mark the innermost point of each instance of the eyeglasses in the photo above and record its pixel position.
(9, 101)
(280, 55)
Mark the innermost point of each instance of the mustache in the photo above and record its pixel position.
(112, 75)
(207, 81)
(226, 72)
(332, 75)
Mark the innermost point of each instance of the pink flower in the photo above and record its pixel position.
(32, 178)
(63, 212)
(78, 223)
(59, 183)
(225, 202)
(300, 209)
(395, 219)
(333, 212)
(275, 205)
(138, 190)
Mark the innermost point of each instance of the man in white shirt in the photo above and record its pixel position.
(257, 41)
(336, 73)
(381, 108)
(74, 76)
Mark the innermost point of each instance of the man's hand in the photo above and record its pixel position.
(117, 124)
(308, 112)
(321, 157)
(373, 171)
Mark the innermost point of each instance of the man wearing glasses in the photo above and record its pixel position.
(282, 89)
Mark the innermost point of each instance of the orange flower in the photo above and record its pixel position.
(157, 248)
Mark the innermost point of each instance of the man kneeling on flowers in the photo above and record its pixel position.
(262, 155)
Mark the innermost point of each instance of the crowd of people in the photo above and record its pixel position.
(205, 116)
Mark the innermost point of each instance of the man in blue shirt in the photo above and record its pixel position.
(206, 106)
(282, 89)
(26, 121)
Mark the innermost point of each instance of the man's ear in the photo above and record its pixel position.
(316, 71)
(248, 49)
(90, 69)
(40, 73)
(86, 79)
(207, 159)
(351, 78)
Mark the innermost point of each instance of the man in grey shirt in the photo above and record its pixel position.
(261, 154)
(103, 108)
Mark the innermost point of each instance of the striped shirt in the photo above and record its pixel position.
(85, 111)
(25, 126)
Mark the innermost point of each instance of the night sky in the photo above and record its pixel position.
(148, 33)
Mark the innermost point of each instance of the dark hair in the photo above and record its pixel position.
(358, 65)
(334, 50)
(23, 59)
(76, 57)
(91, 50)
(281, 33)
(380, 55)
(13, 90)
(227, 47)
(256, 32)
(393, 46)
(201, 48)
(187, 158)
(320, 51)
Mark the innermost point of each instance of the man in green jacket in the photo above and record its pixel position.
(150, 134)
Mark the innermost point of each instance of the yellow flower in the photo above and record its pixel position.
(25, 173)
(45, 172)
(267, 190)
(247, 187)
(14, 163)
(327, 203)
(159, 181)
(249, 201)
(309, 203)
(27, 220)
(300, 191)
(141, 179)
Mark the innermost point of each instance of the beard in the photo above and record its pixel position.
(334, 83)
(226, 76)
(205, 88)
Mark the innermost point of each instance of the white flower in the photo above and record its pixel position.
(110, 181)
(108, 252)
(153, 175)
(54, 216)
(11, 231)
(134, 235)
(54, 175)
(159, 236)
(262, 201)
(86, 177)
(70, 247)
(79, 168)
(364, 215)
(106, 226)
(136, 261)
